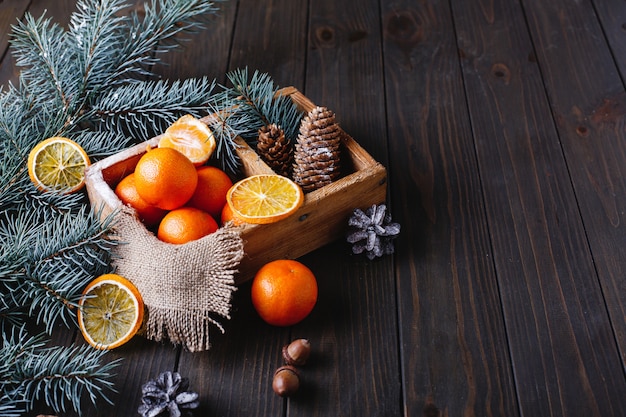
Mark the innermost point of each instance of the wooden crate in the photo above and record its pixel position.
(321, 219)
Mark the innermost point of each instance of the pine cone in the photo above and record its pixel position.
(275, 149)
(372, 231)
(317, 159)
(167, 396)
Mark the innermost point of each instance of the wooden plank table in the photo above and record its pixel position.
(502, 125)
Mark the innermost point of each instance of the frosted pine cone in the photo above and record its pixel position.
(317, 159)
(167, 396)
(372, 231)
(275, 149)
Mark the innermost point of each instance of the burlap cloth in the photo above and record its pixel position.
(185, 288)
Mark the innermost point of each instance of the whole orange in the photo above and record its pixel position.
(284, 292)
(126, 191)
(165, 178)
(185, 224)
(210, 194)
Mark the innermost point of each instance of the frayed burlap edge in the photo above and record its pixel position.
(184, 287)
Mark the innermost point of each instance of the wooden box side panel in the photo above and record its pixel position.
(321, 219)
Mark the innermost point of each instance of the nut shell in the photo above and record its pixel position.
(297, 352)
(286, 381)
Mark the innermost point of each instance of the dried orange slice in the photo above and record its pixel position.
(191, 137)
(264, 198)
(58, 164)
(111, 311)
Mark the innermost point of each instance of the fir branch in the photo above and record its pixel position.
(10, 408)
(226, 125)
(96, 30)
(57, 375)
(260, 100)
(64, 256)
(99, 145)
(53, 244)
(156, 32)
(49, 64)
(18, 231)
(146, 108)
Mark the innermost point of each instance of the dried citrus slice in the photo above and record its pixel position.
(191, 137)
(58, 164)
(111, 311)
(264, 198)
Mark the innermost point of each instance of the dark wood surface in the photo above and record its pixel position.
(503, 128)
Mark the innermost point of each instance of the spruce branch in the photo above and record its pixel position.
(10, 408)
(95, 29)
(227, 124)
(155, 33)
(49, 64)
(146, 108)
(259, 100)
(64, 255)
(58, 375)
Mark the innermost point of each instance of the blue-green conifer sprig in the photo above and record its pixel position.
(30, 371)
(147, 108)
(63, 257)
(259, 98)
(155, 32)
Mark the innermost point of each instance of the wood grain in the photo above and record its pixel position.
(454, 345)
(352, 332)
(545, 270)
(591, 124)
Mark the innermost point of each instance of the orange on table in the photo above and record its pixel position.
(111, 311)
(165, 178)
(58, 164)
(284, 292)
(126, 191)
(210, 194)
(191, 137)
(185, 224)
(264, 198)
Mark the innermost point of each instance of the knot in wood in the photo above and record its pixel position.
(501, 71)
(404, 28)
(325, 36)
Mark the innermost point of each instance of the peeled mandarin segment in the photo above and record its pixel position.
(191, 137)
(264, 198)
(58, 164)
(111, 312)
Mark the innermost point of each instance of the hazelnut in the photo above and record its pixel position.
(297, 352)
(286, 381)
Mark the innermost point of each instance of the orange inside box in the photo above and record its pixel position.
(320, 220)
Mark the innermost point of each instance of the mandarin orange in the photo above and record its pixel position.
(228, 216)
(126, 191)
(210, 194)
(284, 292)
(165, 178)
(186, 224)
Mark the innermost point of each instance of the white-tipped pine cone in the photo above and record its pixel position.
(317, 159)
